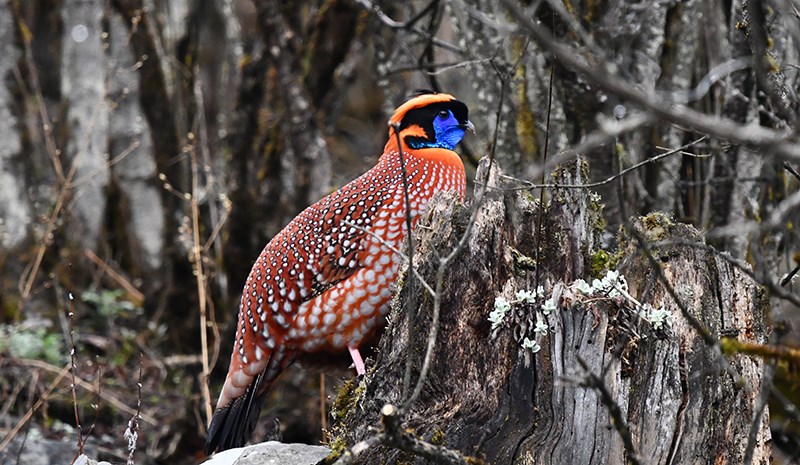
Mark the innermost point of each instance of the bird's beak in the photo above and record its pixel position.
(469, 126)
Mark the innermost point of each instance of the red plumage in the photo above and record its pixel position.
(323, 283)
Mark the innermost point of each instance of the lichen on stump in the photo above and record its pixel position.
(489, 396)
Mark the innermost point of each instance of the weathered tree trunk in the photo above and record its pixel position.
(490, 396)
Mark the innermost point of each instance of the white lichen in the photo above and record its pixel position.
(583, 287)
(501, 308)
(549, 305)
(525, 296)
(540, 292)
(532, 345)
(612, 285)
(657, 317)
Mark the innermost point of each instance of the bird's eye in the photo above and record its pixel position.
(444, 114)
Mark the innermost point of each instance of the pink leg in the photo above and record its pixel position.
(357, 360)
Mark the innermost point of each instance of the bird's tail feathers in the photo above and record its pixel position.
(232, 424)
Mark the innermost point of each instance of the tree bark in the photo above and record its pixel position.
(83, 83)
(15, 210)
(490, 397)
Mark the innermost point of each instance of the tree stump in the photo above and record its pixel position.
(491, 397)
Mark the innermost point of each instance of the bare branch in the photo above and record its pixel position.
(385, 19)
(598, 73)
(132, 432)
(680, 150)
(44, 398)
(412, 309)
(72, 368)
(791, 169)
(608, 131)
(394, 436)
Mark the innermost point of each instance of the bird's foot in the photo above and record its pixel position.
(357, 361)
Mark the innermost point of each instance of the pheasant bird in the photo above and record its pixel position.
(323, 283)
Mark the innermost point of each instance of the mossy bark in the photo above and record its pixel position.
(493, 399)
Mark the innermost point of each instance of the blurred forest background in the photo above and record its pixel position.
(150, 148)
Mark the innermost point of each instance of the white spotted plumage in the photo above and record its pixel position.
(325, 281)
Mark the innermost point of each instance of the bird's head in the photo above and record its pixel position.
(431, 121)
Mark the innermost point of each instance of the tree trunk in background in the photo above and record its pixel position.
(489, 396)
(138, 210)
(83, 84)
(15, 212)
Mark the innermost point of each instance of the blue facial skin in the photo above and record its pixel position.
(449, 133)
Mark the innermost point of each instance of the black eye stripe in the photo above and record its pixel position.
(424, 116)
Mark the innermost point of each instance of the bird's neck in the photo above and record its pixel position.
(447, 157)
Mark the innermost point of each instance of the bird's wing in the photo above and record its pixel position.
(345, 219)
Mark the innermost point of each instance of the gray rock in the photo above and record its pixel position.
(271, 453)
(38, 450)
(84, 460)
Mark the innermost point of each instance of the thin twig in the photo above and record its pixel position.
(704, 333)
(110, 398)
(323, 414)
(32, 270)
(607, 131)
(698, 326)
(134, 294)
(217, 219)
(434, 69)
(788, 278)
(349, 456)
(31, 396)
(788, 167)
(201, 141)
(679, 150)
(388, 21)
(412, 309)
(122, 155)
(539, 216)
(33, 79)
(132, 432)
(44, 398)
(72, 368)
(394, 436)
(200, 277)
(98, 396)
(775, 221)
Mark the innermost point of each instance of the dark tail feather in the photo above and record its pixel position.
(232, 425)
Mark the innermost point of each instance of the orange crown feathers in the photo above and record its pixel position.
(417, 102)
